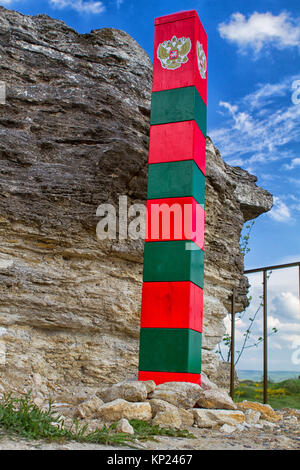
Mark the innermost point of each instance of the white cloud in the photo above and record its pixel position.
(286, 304)
(259, 126)
(265, 94)
(261, 29)
(6, 2)
(273, 322)
(294, 163)
(280, 211)
(242, 120)
(276, 346)
(290, 339)
(81, 6)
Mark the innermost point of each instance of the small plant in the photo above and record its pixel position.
(143, 430)
(245, 237)
(23, 417)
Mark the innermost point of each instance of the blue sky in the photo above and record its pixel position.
(253, 106)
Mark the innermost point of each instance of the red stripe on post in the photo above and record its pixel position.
(177, 141)
(172, 305)
(175, 218)
(163, 377)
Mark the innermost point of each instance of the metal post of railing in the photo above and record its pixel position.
(299, 286)
(232, 345)
(265, 334)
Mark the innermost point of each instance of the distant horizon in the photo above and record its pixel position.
(276, 376)
(270, 370)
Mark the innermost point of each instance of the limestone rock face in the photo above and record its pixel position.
(252, 416)
(130, 391)
(216, 399)
(266, 411)
(74, 135)
(211, 418)
(180, 394)
(227, 429)
(124, 426)
(207, 384)
(158, 406)
(89, 408)
(168, 419)
(164, 411)
(119, 409)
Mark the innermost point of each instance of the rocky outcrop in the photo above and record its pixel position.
(73, 135)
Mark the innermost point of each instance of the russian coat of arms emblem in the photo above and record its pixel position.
(173, 53)
(202, 62)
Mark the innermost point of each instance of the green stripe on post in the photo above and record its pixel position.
(170, 350)
(176, 179)
(176, 260)
(176, 105)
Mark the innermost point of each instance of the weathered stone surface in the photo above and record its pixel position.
(89, 408)
(158, 405)
(222, 376)
(252, 416)
(128, 390)
(180, 394)
(163, 409)
(207, 384)
(187, 418)
(168, 419)
(118, 409)
(211, 418)
(227, 429)
(124, 426)
(266, 411)
(202, 419)
(150, 385)
(217, 399)
(291, 413)
(268, 424)
(91, 424)
(74, 134)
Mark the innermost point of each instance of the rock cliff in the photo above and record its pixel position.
(73, 135)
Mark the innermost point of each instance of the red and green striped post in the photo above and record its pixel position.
(172, 297)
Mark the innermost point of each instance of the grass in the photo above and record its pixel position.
(285, 394)
(22, 417)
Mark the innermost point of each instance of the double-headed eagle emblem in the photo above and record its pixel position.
(173, 53)
(202, 62)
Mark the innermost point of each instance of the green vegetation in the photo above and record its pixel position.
(20, 416)
(285, 394)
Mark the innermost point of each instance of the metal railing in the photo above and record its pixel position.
(264, 270)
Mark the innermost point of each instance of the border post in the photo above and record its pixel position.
(172, 297)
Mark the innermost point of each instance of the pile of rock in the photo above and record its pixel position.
(177, 405)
